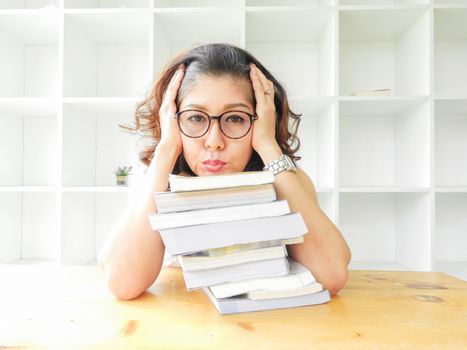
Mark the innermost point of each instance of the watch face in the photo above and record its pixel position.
(289, 164)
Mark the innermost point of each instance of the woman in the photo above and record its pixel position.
(206, 81)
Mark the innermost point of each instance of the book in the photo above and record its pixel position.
(273, 294)
(298, 276)
(248, 246)
(249, 270)
(376, 92)
(192, 183)
(241, 303)
(206, 216)
(167, 202)
(190, 239)
(196, 262)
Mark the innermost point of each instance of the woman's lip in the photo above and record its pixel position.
(213, 162)
(214, 166)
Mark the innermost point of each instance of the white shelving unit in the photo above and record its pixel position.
(390, 171)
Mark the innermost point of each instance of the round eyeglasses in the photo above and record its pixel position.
(233, 124)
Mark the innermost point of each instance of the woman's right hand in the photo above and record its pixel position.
(170, 132)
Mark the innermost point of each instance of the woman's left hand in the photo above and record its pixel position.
(264, 128)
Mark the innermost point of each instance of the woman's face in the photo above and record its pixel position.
(214, 153)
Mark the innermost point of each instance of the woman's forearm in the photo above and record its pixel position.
(133, 254)
(324, 250)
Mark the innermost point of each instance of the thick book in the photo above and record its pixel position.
(247, 246)
(242, 304)
(273, 294)
(206, 216)
(249, 270)
(195, 183)
(196, 262)
(299, 276)
(167, 202)
(191, 239)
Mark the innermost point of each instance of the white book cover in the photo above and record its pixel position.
(191, 183)
(167, 202)
(241, 303)
(298, 276)
(253, 269)
(193, 263)
(191, 239)
(205, 216)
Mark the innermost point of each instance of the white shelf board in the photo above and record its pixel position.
(96, 189)
(120, 4)
(21, 189)
(29, 106)
(286, 3)
(176, 4)
(453, 189)
(380, 189)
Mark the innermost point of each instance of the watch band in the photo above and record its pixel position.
(284, 163)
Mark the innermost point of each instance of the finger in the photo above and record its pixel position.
(257, 86)
(265, 82)
(172, 89)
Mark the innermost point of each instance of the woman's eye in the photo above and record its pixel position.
(197, 118)
(235, 119)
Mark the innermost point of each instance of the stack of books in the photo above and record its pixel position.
(229, 233)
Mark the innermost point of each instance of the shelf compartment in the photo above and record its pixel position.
(95, 145)
(384, 144)
(29, 59)
(382, 49)
(451, 143)
(298, 3)
(107, 3)
(317, 140)
(28, 226)
(300, 53)
(106, 54)
(28, 4)
(450, 51)
(29, 146)
(198, 3)
(171, 35)
(451, 234)
(374, 3)
(87, 219)
(389, 229)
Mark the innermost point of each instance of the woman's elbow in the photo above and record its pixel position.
(125, 288)
(337, 283)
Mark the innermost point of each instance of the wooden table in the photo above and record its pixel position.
(70, 308)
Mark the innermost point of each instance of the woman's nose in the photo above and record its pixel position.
(214, 137)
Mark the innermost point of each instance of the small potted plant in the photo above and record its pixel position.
(122, 173)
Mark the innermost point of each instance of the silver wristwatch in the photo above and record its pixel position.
(284, 163)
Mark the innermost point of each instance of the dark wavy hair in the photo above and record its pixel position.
(215, 59)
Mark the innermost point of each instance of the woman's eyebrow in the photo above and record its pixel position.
(230, 105)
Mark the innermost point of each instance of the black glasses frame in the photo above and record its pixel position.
(253, 117)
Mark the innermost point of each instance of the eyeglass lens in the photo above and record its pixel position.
(233, 124)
